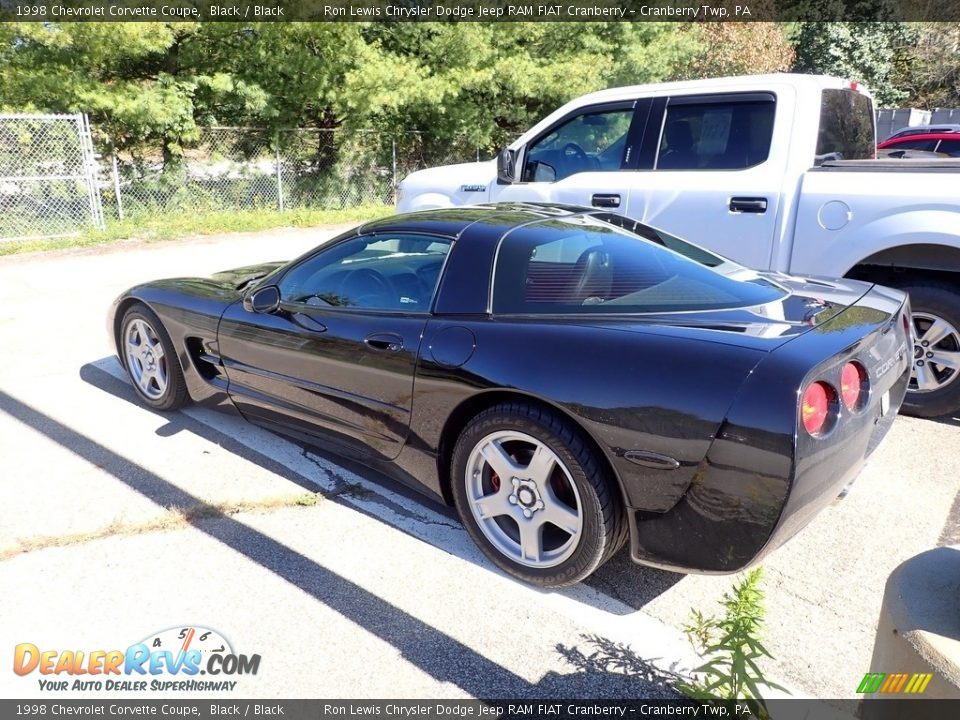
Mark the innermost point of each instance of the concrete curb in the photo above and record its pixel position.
(919, 626)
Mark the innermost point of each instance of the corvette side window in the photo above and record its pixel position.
(383, 272)
(584, 265)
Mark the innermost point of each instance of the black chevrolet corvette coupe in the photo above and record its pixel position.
(567, 378)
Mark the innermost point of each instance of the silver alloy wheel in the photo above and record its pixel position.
(936, 353)
(146, 359)
(523, 499)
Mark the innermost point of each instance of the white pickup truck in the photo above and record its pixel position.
(773, 171)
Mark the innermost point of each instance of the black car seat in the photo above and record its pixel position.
(679, 153)
(593, 275)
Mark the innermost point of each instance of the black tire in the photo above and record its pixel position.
(602, 517)
(174, 393)
(938, 300)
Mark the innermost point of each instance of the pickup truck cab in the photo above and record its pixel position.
(777, 172)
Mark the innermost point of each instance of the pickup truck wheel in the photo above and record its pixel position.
(935, 385)
(534, 496)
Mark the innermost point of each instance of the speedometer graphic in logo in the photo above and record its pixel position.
(183, 639)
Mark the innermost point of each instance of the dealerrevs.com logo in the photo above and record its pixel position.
(169, 660)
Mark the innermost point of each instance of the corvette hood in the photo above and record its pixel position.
(219, 289)
(239, 278)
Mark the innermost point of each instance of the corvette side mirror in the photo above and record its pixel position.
(265, 300)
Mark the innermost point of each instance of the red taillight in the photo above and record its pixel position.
(853, 379)
(815, 410)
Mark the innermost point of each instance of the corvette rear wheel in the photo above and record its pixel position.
(150, 360)
(534, 496)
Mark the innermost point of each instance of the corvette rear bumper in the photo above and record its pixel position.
(764, 477)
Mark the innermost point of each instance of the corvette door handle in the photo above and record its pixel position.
(390, 342)
(606, 200)
(748, 205)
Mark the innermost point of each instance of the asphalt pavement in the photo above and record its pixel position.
(117, 522)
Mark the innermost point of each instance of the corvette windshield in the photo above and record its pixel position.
(614, 265)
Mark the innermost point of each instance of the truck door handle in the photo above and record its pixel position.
(606, 200)
(390, 342)
(748, 205)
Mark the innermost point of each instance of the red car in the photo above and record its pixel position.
(944, 144)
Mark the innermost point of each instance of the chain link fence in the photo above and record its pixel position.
(224, 169)
(48, 176)
(249, 168)
(58, 178)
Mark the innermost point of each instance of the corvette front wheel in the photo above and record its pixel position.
(535, 497)
(151, 360)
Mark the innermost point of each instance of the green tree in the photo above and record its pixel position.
(932, 75)
(159, 83)
(491, 81)
(737, 48)
(873, 53)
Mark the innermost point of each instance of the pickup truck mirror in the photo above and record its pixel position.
(506, 166)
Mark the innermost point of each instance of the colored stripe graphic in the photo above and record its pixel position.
(870, 683)
(893, 683)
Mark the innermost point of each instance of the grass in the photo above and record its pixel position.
(172, 518)
(175, 225)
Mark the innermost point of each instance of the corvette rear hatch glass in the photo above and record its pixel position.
(584, 264)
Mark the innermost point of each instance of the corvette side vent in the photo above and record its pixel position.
(207, 364)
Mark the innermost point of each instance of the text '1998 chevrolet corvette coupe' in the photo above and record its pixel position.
(567, 378)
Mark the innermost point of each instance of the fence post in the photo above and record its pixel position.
(393, 145)
(116, 180)
(89, 161)
(276, 142)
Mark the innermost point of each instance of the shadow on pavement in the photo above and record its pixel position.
(620, 578)
(437, 654)
(952, 419)
(607, 656)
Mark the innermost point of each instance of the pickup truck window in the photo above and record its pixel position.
(584, 265)
(847, 130)
(589, 142)
(716, 135)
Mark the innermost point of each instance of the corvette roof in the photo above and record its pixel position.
(451, 222)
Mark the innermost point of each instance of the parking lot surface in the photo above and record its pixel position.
(119, 522)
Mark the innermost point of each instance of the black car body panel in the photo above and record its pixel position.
(696, 414)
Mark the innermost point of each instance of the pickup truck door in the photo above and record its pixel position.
(581, 158)
(711, 180)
